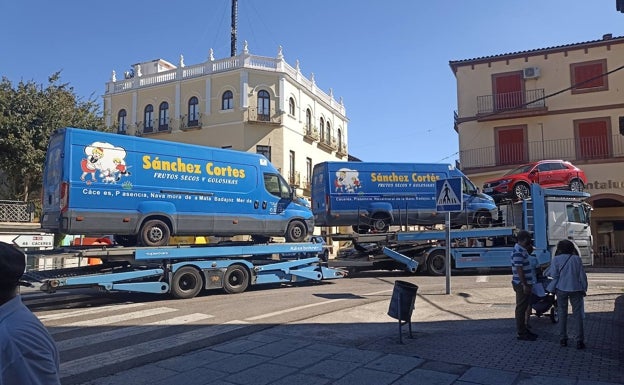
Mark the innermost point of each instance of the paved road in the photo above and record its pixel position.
(109, 336)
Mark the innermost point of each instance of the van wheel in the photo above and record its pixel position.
(236, 279)
(381, 223)
(296, 232)
(436, 263)
(360, 229)
(521, 191)
(186, 283)
(482, 219)
(155, 233)
(126, 240)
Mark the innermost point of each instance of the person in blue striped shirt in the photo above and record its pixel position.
(521, 282)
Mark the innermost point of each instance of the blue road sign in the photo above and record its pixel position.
(449, 195)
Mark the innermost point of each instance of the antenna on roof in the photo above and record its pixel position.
(233, 30)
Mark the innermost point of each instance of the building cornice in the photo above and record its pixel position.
(230, 64)
(607, 40)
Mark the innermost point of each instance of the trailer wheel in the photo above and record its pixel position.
(126, 240)
(436, 263)
(482, 219)
(155, 233)
(381, 223)
(236, 279)
(296, 232)
(186, 283)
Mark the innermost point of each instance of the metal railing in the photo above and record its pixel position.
(311, 132)
(508, 101)
(193, 122)
(16, 211)
(263, 116)
(573, 149)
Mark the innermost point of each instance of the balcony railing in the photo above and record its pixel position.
(573, 149)
(263, 116)
(194, 122)
(310, 133)
(328, 144)
(244, 60)
(342, 149)
(294, 179)
(153, 127)
(511, 101)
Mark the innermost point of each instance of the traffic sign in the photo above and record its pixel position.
(34, 240)
(449, 195)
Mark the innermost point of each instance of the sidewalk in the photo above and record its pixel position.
(462, 338)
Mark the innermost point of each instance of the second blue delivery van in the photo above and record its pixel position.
(373, 196)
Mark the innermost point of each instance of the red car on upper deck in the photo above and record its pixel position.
(556, 174)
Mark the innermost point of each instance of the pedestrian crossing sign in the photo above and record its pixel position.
(449, 195)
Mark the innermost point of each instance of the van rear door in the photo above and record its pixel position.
(53, 188)
(320, 193)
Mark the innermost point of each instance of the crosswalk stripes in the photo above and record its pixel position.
(136, 351)
(92, 338)
(87, 311)
(79, 342)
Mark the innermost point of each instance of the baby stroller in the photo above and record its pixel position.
(543, 302)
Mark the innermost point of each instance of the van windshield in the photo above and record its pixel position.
(276, 185)
(469, 188)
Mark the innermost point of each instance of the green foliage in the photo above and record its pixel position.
(29, 113)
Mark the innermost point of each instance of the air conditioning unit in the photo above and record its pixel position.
(531, 72)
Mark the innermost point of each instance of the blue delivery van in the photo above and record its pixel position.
(145, 190)
(373, 196)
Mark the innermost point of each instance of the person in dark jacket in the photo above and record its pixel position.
(569, 284)
(28, 354)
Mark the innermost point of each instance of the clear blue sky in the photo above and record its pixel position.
(387, 59)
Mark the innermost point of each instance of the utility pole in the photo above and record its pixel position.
(233, 26)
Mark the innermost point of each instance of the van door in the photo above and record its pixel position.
(52, 184)
(273, 203)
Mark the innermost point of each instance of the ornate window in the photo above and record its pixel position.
(148, 118)
(163, 116)
(121, 121)
(308, 119)
(328, 134)
(227, 100)
(193, 112)
(291, 106)
(264, 106)
(264, 150)
(322, 128)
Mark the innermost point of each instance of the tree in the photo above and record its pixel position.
(29, 113)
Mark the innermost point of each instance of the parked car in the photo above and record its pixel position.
(556, 174)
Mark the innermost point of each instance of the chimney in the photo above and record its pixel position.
(607, 36)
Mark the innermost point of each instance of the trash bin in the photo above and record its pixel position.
(402, 301)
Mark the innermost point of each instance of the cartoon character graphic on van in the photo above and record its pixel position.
(347, 181)
(91, 163)
(120, 168)
(105, 160)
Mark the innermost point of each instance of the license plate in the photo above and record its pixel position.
(488, 190)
